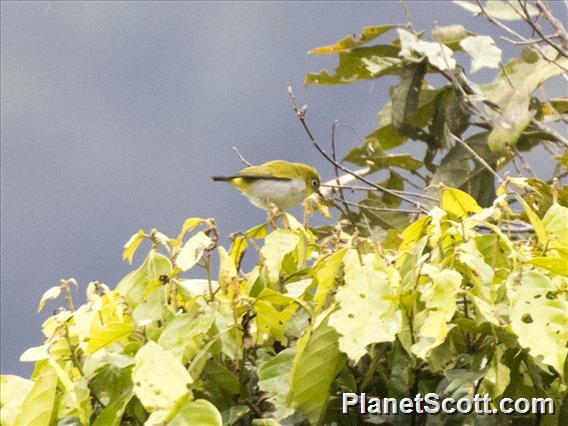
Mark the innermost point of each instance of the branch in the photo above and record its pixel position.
(241, 157)
(349, 214)
(477, 157)
(301, 114)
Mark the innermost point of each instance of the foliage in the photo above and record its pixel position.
(465, 293)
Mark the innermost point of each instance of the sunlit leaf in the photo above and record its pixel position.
(160, 379)
(132, 245)
(50, 294)
(458, 203)
(483, 52)
(557, 265)
(14, 391)
(37, 408)
(192, 251)
(189, 225)
(450, 35)
(277, 245)
(438, 55)
(274, 378)
(537, 320)
(349, 42)
(500, 9)
(366, 298)
(555, 222)
(199, 412)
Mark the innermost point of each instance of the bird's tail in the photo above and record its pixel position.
(222, 178)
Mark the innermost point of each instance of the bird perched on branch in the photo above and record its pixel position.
(277, 183)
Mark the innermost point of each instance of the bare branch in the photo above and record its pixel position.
(553, 21)
(409, 23)
(349, 214)
(477, 157)
(301, 114)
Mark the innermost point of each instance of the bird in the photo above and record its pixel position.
(277, 183)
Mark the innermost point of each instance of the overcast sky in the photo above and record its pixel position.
(114, 115)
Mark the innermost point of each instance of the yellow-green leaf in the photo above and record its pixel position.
(160, 379)
(199, 413)
(192, 251)
(349, 42)
(189, 225)
(13, 392)
(38, 405)
(458, 203)
(132, 245)
(277, 245)
(49, 294)
(368, 312)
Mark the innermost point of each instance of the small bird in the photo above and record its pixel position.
(276, 183)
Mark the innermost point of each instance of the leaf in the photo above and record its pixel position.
(184, 335)
(458, 203)
(270, 322)
(537, 320)
(497, 377)
(50, 293)
(199, 413)
(160, 379)
(104, 334)
(363, 63)
(192, 251)
(325, 273)
(537, 224)
(366, 298)
(189, 225)
(228, 277)
(439, 296)
(557, 265)
(505, 10)
(37, 407)
(116, 385)
(405, 96)
(134, 285)
(555, 222)
(277, 245)
(316, 369)
(349, 42)
(274, 379)
(222, 376)
(438, 55)
(13, 394)
(516, 115)
(450, 117)
(413, 233)
(483, 52)
(450, 35)
(132, 245)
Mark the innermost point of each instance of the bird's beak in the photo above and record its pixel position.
(320, 194)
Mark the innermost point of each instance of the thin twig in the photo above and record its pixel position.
(243, 159)
(365, 188)
(477, 157)
(301, 114)
(382, 209)
(348, 211)
(409, 24)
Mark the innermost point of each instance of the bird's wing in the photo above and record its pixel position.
(267, 171)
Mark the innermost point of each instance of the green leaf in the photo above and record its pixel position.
(318, 365)
(368, 312)
(189, 225)
(277, 245)
(439, 296)
(450, 116)
(537, 224)
(37, 407)
(104, 334)
(197, 413)
(516, 115)
(413, 49)
(14, 391)
(192, 251)
(133, 285)
(160, 379)
(483, 52)
(349, 42)
(228, 277)
(222, 376)
(364, 63)
(132, 245)
(325, 274)
(274, 379)
(405, 96)
(557, 265)
(184, 335)
(537, 319)
(114, 386)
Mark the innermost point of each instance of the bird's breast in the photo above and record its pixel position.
(284, 193)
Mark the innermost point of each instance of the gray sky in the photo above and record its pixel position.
(115, 115)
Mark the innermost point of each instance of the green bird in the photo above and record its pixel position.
(276, 183)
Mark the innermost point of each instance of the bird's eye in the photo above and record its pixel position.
(315, 183)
